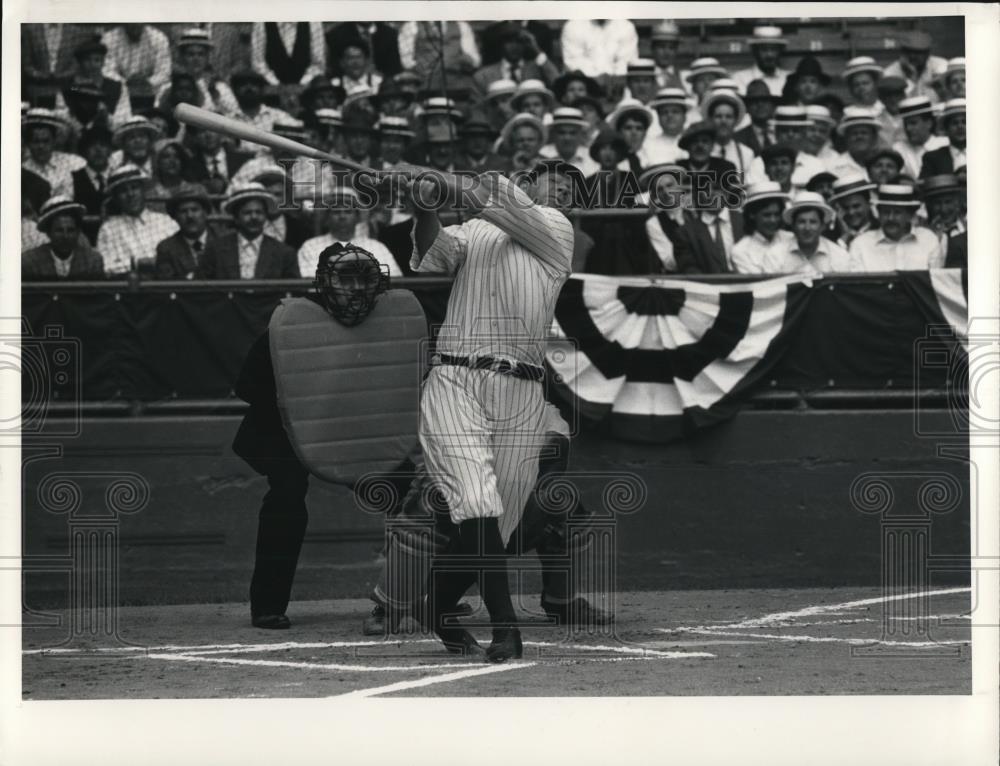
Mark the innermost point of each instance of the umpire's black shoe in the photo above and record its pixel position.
(375, 624)
(577, 612)
(506, 645)
(271, 621)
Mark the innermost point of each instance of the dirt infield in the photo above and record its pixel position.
(734, 642)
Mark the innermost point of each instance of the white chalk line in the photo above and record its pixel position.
(460, 675)
(310, 665)
(825, 639)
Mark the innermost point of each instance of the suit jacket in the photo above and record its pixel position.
(957, 256)
(37, 264)
(86, 193)
(35, 189)
(174, 257)
(384, 45)
(937, 162)
(198, 168)
(694, 248)
(483, 77)
(748, 137)
(35, 65)
(221, 259)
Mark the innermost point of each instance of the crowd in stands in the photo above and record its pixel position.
(799, 179)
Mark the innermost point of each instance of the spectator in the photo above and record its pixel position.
(439, 111)
(47, 59)
(671, 106)
(41, 131)
(342, 218)
(917, 66)
(756, 251)
(392, 100)
(439, 149)
(128, 237)
(767, 46)
(539, 35)
(897, 245)
(860, 129)
(394, 136)
(852, 196)
(35, 190)
(477, 136)
(171, 161)
(66, 255)
(248, 87)
(698, 140)
(817, 141)
(497, 102)
(599, 47)
(953, 79)
(861, 76)
(138, 55)
(806, 84)
(884, 166)
(287, 52)
(357, 75)
(521, 61)
(320, 93)
(704, 72)
(948, 159)
(213, 164)
(593, 114)
(724, 109)
(566, 134)
(329, 125)
(704, 244)
(640, 80)
(664, 42)
(666, 187)
(790, 125)
(290, 222)
(534, 98)
(522, 138)
(86, 108)
(378, 37)
(917, 113)
(194, 48)
(248, 253)
(570, 86)
(632, 119)
(90, 57)
(177, 255)
(778, 161)
(183, 89)
(943, 197)
(90, 181)
(891, 91)
(809, 251)
(134, 141)
(358, 136)
(423, 45)
(760, 105)
(822, 184)
(957, 253)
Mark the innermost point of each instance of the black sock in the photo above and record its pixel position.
(481, 539)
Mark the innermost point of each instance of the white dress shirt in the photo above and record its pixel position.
(742, 157)
(53, 39)
(249, 251)
(58, 171)
(661, 243)
(844, 164)
(829, 258)
(663, 148)
(63, 265)
(311, 249)
(265, 119)
(918, 250)
(755, 254)
(287, 31)
(775, 82)
(922, 85)
(597, 49)
(149, 58)
(124, 240)
(806, 166)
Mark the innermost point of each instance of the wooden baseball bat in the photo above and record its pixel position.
(227, 126)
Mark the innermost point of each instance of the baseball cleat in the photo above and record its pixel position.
(506, 645)
(271, 621)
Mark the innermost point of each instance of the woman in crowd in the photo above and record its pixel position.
(809, 216)
(171, 162)
(631, 119)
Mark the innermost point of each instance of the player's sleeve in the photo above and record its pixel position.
(384, 256)
(445, 255)
(544, 232)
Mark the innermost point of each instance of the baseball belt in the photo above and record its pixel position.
(503, 366)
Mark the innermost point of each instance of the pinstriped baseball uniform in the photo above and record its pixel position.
(481, 430)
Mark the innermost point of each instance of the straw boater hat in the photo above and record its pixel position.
(568, 115)
(340, 193)
(245, 193)
(663, 168)
(194, 36)
(394, 126)
(500, 88)
(56, 206)
(293, 130)
(523, 118)
(630, 107)
(954, 66)
(858, 115)
(914, 106)
(724, 83)
(723, 96)
(860, 64)
(44, 118)
(188, 192)
(952, 108)
(670, 96)
(694, 130)
(269, 170)
(706, 65)
(126, 174)
(790, 117)
(529, 87)
(331, 117)
(816, 113)
(762, 192)
(767, 36)
(135, 125)
(440, 105)
(641, 68)
(665, 30)
(897, 195)
(945, 183)
(809, 201)
(851, 183)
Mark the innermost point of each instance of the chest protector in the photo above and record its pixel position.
(349, 396)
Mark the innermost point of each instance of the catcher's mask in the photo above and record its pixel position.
(349, 280)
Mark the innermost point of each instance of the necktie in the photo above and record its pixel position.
(720, 243)
(215, 168)
(196, 246)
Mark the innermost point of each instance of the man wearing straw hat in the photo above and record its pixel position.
(762, 210)
(41, 132)
(664, 42)
(128, 238)
(947, 159)
(767, 45)
(790, 126)
(194, 48)
(66, 255)
(808, 250)
(917, 114)
(917, 66)
(640, 80)
(724, 109)
(704, 71)
(897, 245)
(177, 255)
(943, 197)
(566, 134)
(860, 129)
(817, 141)
(851, 195)
(248, 253)
(477, 135)
(134, 141)
(522, 138)
(671, 106)
(953, 79)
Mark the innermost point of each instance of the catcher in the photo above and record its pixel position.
(306, 416)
